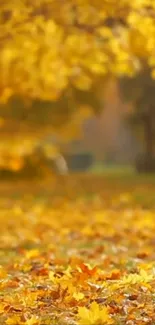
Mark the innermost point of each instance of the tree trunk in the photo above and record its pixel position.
(148, 136)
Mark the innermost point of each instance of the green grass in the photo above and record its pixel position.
(122, 172)
(112, 169)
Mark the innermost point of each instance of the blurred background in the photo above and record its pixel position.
(119, 137)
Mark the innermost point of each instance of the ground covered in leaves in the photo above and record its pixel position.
(77, 251)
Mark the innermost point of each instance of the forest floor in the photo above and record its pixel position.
(78, 250)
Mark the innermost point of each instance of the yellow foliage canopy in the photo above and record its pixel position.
(48, 45)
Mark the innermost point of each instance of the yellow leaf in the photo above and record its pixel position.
(32, 253)
(34, 320)
(2, 306)
(95, 315)
(78, 296)
(14, 320)
(84, 316)
(52, 277)
(137, 278)
(3, 273)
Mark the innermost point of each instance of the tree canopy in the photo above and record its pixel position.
(49, 45)
(54, 54)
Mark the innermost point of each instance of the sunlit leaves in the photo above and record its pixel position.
(95, 315)
(68, 259)
(48, 45)
(143, 277)
(14, 320)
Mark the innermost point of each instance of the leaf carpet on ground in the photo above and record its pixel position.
(78, 256)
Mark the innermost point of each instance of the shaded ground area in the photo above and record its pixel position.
(78, 250)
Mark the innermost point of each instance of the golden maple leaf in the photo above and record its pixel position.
(96, 315)
(14, 320)
(34, 320)
(142, 277)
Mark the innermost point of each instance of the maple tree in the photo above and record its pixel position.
(47, 45)
(50, 48)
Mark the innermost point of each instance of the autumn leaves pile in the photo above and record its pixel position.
(85, 256)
